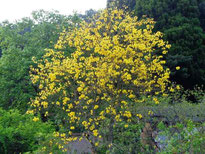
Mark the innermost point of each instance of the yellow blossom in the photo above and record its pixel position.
(150, 113)
(139, 115)
(178, 87)
(35, 119)
(72, 127)
(95, 132)
(96, 106)
(178, 68)
(96, 144)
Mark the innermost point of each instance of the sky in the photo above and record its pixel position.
(16, 9)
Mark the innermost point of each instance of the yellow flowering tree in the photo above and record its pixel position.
(114, 64)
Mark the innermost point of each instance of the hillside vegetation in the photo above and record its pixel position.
(126, 79)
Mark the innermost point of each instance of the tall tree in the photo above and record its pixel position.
(114, 65)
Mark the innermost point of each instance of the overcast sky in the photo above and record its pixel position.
(16, 9)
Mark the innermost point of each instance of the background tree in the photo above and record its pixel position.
(120, 4)
(19, 42)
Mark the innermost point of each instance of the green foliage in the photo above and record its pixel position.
(177, 128)
(183, 25)
(183, 138)
(125, 139)
(19, 42)
(172, 111)
(121, 4)
(18, 133)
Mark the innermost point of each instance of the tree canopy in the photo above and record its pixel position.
(19, 42)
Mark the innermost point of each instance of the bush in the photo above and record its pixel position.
(183, 138)
(18, 133)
